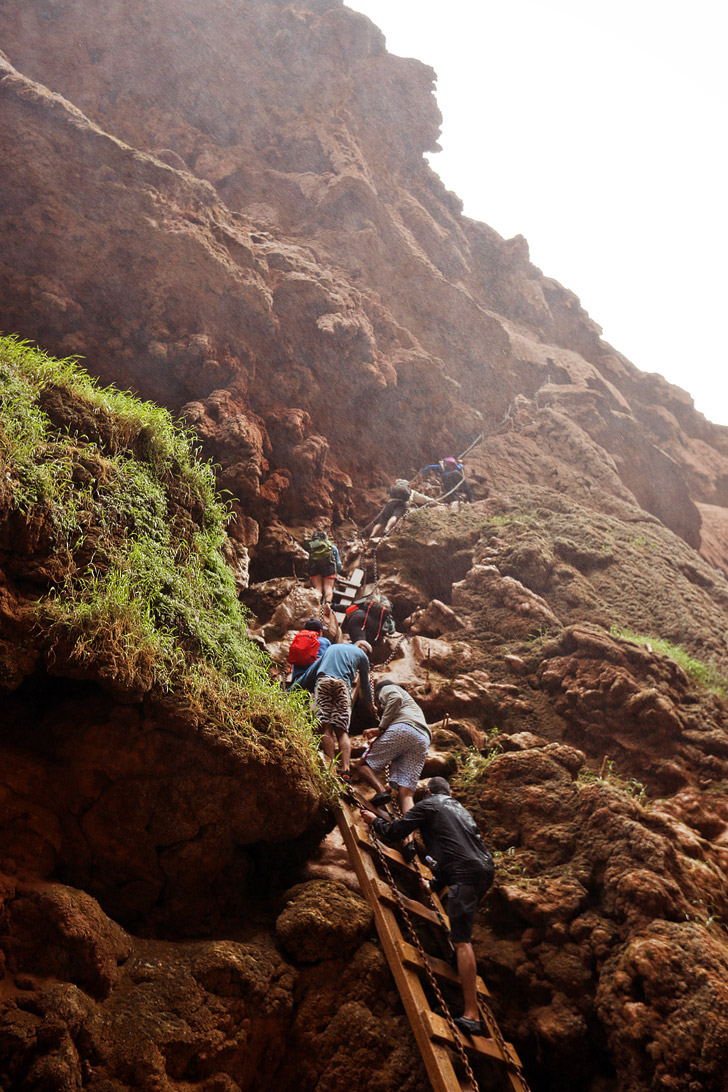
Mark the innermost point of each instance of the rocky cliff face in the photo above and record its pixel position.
(269, 225)
(225, 207)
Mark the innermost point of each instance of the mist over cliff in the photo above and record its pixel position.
(224, 206)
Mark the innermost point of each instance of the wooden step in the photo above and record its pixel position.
(414, 908)
(480, 1045)
(391, 854)
(444, 971)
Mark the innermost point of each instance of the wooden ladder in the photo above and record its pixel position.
(435, 1039)
(346, 590)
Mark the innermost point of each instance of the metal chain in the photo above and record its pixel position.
(498, 1036)
(459, 1045)
(385, 663)
(455, 1031)
(482, 1004)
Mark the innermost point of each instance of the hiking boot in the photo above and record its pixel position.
(470, 1027)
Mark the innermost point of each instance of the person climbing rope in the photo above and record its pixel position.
(331, 679)
(307, 647)
(463, 864)
(400, 498)
(400, 741)
(454, 483)
(324, 563)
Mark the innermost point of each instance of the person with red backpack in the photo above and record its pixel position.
(307, 647)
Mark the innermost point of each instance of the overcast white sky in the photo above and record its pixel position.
(597, 129)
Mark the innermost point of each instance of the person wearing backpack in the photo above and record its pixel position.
(333, 679)
(400, 498)
(323, 564)
(453, 480)
(368, 620)
(307, 647)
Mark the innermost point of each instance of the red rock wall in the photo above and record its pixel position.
(224, 205)
(325, 248)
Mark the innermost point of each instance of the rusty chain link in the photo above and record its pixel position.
(485, 1009)
(458, 1042)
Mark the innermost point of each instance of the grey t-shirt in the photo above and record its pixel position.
(399, 708)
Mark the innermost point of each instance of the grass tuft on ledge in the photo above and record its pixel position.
(136, 591)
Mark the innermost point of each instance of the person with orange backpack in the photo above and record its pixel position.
(307, 647)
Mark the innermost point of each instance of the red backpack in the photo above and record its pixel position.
(304, 648)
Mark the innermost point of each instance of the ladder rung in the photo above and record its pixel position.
(411, 905)
(387, 851)
(439, 1030)
(412, 958)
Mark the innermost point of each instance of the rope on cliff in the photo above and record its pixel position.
(478, 440)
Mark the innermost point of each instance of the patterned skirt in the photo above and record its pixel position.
(332, 703)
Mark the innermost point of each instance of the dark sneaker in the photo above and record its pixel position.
(470, 1027)
(381, 798)
(409, 852)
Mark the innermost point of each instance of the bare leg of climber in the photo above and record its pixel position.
(406, 799)
(317, 582)
(328, 742)
(345, 748)
(328, 588)
(468, 970)
(366, 773)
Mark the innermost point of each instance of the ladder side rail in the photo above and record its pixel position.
(429, 1029)
(435, 1056)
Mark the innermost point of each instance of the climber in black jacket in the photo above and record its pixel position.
(463, 864)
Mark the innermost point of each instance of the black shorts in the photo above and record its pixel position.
(462, 904)
(322, 568)
(393, 507)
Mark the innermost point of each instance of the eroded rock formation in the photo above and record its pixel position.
(225, 207)
(272, 172)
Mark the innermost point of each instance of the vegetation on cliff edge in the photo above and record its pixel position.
(136, 590)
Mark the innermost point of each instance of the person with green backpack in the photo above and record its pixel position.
(323, 565)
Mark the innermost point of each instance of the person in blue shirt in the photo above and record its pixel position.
(452, 476)
(299, 670)
(332, 681)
